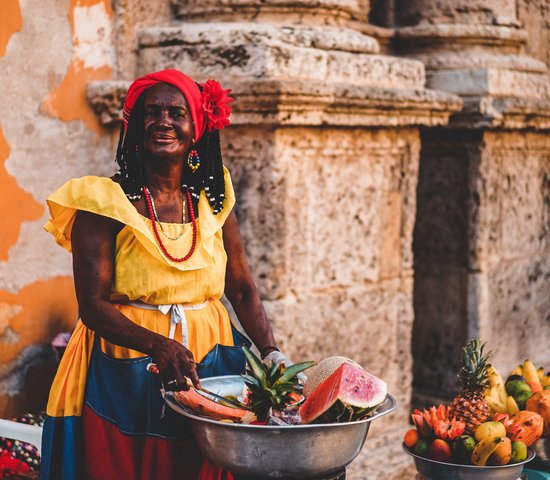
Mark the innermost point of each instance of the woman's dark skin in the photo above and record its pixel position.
(168, 133)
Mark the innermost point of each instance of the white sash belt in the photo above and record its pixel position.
(177, 315)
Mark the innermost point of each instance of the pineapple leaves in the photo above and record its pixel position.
(275, 371)
(293, 370)
(250, 380)
(271, 386)
(256, 366)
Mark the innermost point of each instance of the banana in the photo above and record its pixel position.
(484, 449)
(530, 372)
(511, 405)
(546, 381)
(540, 373)
(496, 381)
(517, 371)
(493, 400)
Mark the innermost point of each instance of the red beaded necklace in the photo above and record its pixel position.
(156, 232)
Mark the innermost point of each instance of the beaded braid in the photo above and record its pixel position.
(131, 174)
(208, 177)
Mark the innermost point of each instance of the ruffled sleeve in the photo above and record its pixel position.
(103, 196)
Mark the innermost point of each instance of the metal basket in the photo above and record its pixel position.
(434, 470)
(293, 451)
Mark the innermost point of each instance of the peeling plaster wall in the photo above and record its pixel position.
(48, 134)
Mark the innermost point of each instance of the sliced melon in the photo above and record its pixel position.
(348, 394)
(209, 408)
(324, 369)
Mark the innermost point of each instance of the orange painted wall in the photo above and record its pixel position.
(16, 205)
(68, 101)
(11, 21)
(35, 309)
(32, 316)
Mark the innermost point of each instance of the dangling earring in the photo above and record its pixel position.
(193, 160)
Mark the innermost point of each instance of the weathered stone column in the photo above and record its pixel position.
(323, 149)
(481, 241)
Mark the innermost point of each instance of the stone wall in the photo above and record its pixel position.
(481, 235)
(373, 230)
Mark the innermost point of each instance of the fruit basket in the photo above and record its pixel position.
(290, 451)
(434, 470)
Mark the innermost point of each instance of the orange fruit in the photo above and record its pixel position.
(439, 450)
(410, 438)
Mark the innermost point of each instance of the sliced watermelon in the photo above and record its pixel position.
(348, 394)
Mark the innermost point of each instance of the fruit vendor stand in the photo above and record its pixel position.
(495, 428)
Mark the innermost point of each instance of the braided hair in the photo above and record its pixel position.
(131, 173)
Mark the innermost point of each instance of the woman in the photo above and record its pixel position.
(154, 249)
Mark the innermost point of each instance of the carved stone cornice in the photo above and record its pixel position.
(459, 38)
(106, 97)
(483, 64)
(503, 113)
(302, 103)
(304, 12)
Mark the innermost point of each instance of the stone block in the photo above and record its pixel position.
(488, 12)
(508, 186)
(517, 324)
(130, 17)
(247, 50)
(298, 205)
(325, 12)
(450, 38)
(491, 81)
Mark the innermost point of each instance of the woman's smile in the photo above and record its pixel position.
(163, 138)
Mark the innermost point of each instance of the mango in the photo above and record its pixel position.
(519, 452)
(490, 429)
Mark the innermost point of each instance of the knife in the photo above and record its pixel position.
(222, 400)
(151, 367)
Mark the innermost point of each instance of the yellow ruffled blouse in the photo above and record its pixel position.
(142, 272)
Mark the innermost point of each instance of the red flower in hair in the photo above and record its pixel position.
(215, 102)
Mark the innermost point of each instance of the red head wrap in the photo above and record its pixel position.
(209, 107)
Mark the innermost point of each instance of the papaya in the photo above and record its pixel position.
(540, 403)
(525, 426)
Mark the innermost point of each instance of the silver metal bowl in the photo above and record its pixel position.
(294, 451)
(434, 470)
(542, 449)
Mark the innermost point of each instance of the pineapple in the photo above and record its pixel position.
(470, 406)
(271, 386)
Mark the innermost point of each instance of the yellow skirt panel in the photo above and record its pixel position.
(206, 328)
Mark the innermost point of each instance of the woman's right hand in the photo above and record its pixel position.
(174, 362)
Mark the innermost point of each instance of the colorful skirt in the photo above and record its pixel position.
(122, 428)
